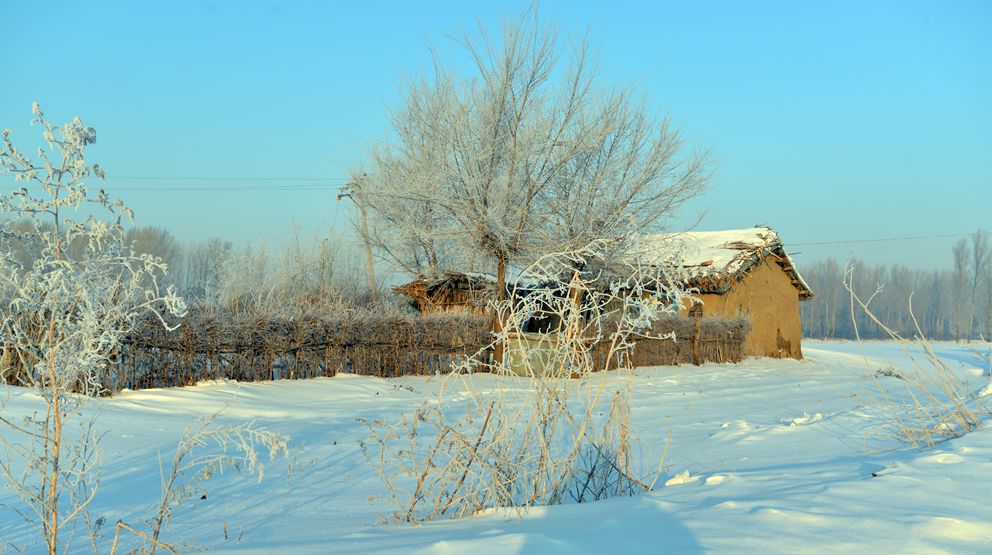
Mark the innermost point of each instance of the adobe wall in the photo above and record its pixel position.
(768, 299)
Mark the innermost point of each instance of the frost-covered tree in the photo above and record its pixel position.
(981, 253)
(526, 155)
(412, 234)
(202, 262)
(960, 254)
(64, 316)
(161, 243)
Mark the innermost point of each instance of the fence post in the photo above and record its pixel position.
(696, 313)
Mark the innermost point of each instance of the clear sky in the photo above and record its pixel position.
(828, 121)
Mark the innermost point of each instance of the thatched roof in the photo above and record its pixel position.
(713, 260)
(450, 290)
(716, 260)
(461, 290)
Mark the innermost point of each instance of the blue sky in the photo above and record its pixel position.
(828, 121)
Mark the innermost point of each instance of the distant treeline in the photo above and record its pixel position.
(322, 275)
(953, 303)
(299, 276)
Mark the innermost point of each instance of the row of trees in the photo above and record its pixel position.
(948, 304)
(316, 272)
(311, 271)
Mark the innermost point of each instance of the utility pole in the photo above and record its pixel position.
(353, 191)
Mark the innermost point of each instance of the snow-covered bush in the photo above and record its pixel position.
(555, 428)
(64, 315)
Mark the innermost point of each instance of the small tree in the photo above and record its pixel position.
(65, 315)
(202, 265)
(961, 265)
(981, 254)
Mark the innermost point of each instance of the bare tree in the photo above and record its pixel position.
(201, 264)
(518, 160)
(156, 241)
(528, 155)
(403, 228)
(980, 253)
(960, 254)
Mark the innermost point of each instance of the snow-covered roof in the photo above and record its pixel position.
(714, 260)
(522, 282)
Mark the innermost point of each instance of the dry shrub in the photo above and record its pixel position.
(205, 449)
(561, 433)
(938, 404)
(519, 449)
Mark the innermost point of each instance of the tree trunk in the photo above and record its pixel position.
(500, 347)
(368, 249)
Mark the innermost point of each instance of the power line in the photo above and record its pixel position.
(293, 183)
(231, 188)
(185, 178)
(912, 238)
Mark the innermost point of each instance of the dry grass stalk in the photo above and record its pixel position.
(553, 428)
(941, 405)
(142, 535)
(205, 450)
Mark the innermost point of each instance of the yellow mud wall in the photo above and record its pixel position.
(768, 299)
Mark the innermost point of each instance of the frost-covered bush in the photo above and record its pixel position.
(66, 309)
(555, 428)
(205, 449)
(308, 276)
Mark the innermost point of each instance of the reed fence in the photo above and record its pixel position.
(210, 346)
(697, 341)
(258, 349)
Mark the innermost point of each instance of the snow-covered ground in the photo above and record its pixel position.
(782, 457)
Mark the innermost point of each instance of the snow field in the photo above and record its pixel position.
(767, 456)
